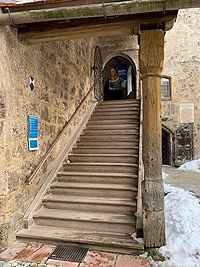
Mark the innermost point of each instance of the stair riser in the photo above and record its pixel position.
(98, 150)
(114, 169)
(116, 114)
(112, 127)
(91, 207)
(121, 106)
(100, 159)
(111, 132)
(98, 179)
(115, 138)
(57, 241)
(115, 117)
(114, 122)
(95, 143)
(118, 109)
(95, 192)
(125, 101)
(90, 225)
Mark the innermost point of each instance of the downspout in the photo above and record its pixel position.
(95, 10)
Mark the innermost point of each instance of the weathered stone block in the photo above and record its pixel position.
(13, 180)
(2, 105)
(45, 114)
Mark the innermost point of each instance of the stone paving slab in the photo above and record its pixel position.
(100, 259)
(127, 260)
(13, 251)
(36, 255)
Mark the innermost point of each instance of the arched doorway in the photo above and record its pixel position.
(168, 149)
(119, 79)
(165, 147)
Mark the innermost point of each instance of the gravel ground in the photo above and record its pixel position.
(14, 263)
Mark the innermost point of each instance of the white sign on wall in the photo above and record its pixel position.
(186, 112)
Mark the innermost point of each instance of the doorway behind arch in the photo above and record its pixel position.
(121, 88)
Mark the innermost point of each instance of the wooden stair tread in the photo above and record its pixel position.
(116, 175)
(90, 200)
(104, 155)
(110, 146)
(100, 164)
(94, 186)
(85, 216)
(80, 236)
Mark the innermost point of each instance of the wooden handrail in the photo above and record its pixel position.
(43, 159)
(139, 214)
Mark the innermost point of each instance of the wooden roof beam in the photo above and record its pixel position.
(95, 10)
(98, 27)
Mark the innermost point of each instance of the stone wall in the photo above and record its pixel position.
(63, 75)
(182, 64)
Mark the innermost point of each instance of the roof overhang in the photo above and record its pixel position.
(78, 9)
(67, 19)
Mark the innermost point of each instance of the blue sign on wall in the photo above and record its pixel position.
(33, 132)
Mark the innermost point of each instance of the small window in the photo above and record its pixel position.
(166, 88)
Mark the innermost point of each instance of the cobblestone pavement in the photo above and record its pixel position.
(36, 255)
(186, 180)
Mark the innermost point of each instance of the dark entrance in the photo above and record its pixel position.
(119, 79)
(166, 151)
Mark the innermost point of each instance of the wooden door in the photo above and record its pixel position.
(184, 148)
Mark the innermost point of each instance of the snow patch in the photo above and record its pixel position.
(139, 240)
(182, 213)
(164, 175)
(193, 165)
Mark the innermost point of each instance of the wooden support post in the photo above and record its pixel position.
(151, 65)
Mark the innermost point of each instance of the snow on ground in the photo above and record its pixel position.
(164, 175)
(182, 216)
(193, 165)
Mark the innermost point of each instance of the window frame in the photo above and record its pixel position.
(170, 88)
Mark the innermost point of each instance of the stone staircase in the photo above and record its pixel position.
(93, 201)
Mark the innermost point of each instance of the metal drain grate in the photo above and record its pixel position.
(69, 253)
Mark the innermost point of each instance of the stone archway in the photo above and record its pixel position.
(123, 85)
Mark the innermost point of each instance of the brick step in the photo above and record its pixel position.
(104, 158)
(94, 240)
(95, 221)
(94, 189)
(101, 167)
(105, 150)
(90, 204)
(102, 178)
